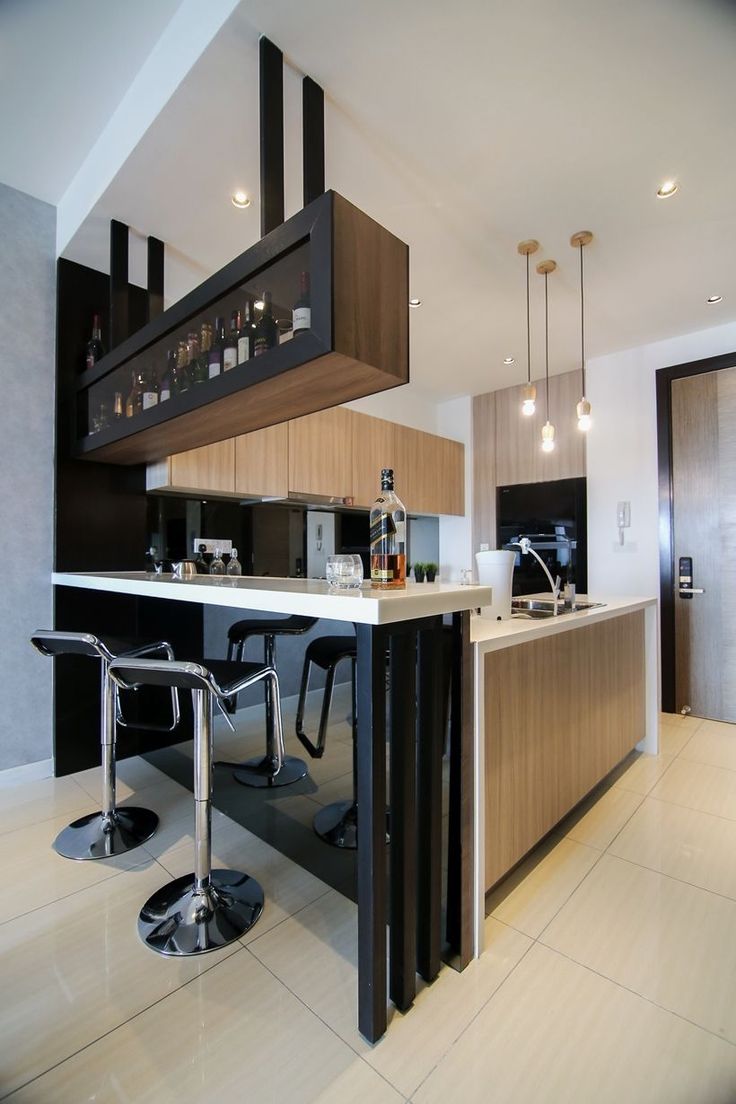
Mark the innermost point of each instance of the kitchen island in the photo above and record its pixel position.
(405, 626)
(560, 702)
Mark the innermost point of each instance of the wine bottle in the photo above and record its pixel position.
(167, 380)
(118, 407)
(94, 349)
(183, 379)
(150, 390)
(302, 312)
(215, 357)
(134, 401)
(266, 331)
(202, 370)
(388, 537)
(245, 333)
(230, 344)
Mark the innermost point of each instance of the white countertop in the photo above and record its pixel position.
(309, 597)
(492, 635)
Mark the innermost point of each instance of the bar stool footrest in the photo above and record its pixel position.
(95, 836)
(260, 772)
(177, 920)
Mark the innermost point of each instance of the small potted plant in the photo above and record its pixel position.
(430, 570)
(419, 572)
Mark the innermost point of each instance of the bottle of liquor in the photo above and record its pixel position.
(134, 401)
(183, 379)
(388, 537)
(233, 564)
(202, 371)
(151, 390)
(245, 333)
(230, 344)
(167, 380)
(118, 406)
(216, 351)
(200, 562)
(217, 567)
(302, 313)
(94, 349)
(266, 331)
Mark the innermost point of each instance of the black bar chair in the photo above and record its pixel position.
(112, 831)
(336, 824)
(208, 908)
(262, 772)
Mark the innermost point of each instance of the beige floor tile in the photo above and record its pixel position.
(287, 887)
(531, 896)
(48, 798)
(555, 1033)
(339, 789)
(235, 1033)
(605, 819)
(644, 773)
(76, 969)
(37, 875)
(713, 743)
(699, 786)
(674, 735)
(132, 775)
(667, 941)
(688, 723)
(695, 847)
(315, 955)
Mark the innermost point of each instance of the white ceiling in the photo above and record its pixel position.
(465, 128)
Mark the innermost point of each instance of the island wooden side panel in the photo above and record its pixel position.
(560, 713)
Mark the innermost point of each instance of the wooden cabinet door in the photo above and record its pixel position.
(375, 446)
(210, 468)
(262, 461)
(321, 453)
(430, 473)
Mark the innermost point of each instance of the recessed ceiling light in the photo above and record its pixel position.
(415, 302)
(714, 299)
(664, 191)
(508, 360)
(240, 199)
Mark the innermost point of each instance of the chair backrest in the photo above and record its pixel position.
(179, 674)
(53, 642)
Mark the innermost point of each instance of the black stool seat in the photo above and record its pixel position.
(269, 626)
(327, 651)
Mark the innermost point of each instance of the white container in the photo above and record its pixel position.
(496, 569)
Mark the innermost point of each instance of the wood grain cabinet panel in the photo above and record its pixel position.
(430, 473)
(519, 456)
(210, 468)
(321, 453)
(375, 446)
(560, 713)
(262, 461)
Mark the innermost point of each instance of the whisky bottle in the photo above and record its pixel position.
(388, 537)
(266, 331)
(230, 344)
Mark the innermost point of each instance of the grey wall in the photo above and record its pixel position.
(27, 373)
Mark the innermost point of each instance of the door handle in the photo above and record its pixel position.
(691, 590)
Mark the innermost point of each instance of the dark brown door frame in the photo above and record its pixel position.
(664, 378)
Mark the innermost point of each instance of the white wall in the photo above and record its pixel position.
(455, 420)
(622, 457)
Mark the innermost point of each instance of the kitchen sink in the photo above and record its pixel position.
(535, 609)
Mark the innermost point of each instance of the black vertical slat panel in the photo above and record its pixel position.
(403, 931)
(430, 731)
(155, 279)
(271, 74)
(313, 139)
(119, 290)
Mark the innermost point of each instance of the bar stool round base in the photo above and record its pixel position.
(337, 824)
(259, 772)
(97, 837)
(179, 921)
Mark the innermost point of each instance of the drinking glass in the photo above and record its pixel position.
(342, 572)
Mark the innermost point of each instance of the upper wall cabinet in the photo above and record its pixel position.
(321, 454)
(330, 272)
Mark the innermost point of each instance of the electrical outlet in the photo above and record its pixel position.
(210, 545)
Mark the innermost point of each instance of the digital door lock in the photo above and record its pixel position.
(686, 587)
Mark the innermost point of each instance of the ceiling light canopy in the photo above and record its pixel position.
(667, 189)
(508, 360)
(714, 299)
(240, 199)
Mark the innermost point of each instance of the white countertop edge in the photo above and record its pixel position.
(308, 597)
(490, 636)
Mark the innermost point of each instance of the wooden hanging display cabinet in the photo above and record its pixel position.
(355, 341)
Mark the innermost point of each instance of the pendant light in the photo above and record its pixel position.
(578, 241)
(529, 391)
(548, 430)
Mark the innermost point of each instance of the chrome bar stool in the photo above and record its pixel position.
(262, 772)
(336, 824)
(208, 908)
(112, 831)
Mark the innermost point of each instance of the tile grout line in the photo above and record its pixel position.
(285, 918)
(673, 878)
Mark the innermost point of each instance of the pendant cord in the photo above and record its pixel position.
(528, 331)
(582, 320)
(546, 342)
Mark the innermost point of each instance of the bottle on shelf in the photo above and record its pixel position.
(118, 406)
(266, 331)
(134, 401)
(388, 537)
(215, 358)
(230, 343)
(217, 567)
(193, 358)
(182, 379)
(245, 333)
(94, 349)
(200, 562)
(151, 390)
(202, 372)
(167, 379)
(233, 565)
(302, 312)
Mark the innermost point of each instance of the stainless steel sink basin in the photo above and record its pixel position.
(535, 609)
(532, 614)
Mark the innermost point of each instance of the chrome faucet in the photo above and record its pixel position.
(525, 544)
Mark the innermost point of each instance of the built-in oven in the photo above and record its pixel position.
(554, 516)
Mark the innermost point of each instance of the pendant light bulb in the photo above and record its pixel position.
(528, 399)
(584, 419)
(548, 437)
